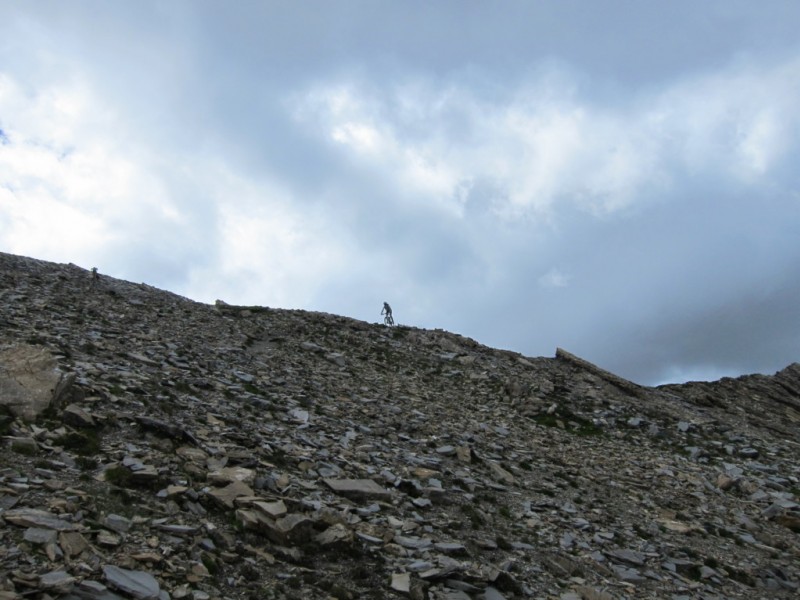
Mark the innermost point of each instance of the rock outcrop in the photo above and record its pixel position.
(198, 451)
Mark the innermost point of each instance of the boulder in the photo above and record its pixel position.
(30, 380)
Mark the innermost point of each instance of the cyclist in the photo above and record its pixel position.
(387, 310)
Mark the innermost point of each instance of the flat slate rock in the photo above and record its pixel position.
(42, 519)
(630, 557)
(227, 495)
(401, 582)
(56, 580)
(36, 535)
(138, 584)
(357, 488)
(413, 543)
(94, 590)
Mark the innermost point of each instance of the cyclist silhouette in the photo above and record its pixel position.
(387, 310)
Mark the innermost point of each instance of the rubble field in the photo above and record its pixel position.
(156, 447)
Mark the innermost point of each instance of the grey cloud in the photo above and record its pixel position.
(748, 333)
(618, 182)
(642, 43)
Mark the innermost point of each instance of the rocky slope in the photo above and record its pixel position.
(156, 447)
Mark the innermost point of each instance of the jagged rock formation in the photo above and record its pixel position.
(245, 452)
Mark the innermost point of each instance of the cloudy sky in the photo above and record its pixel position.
(617, 178)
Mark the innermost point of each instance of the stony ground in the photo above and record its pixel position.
(196, 451)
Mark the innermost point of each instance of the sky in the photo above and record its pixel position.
(616, 178)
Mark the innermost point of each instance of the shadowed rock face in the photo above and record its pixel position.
(248, 452)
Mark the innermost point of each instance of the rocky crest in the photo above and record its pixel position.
(155, 447)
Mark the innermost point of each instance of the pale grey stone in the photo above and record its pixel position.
(38, 536)
(335, 534)
(57, 580)
(629, 574)
(627, 556)
(453, 548)
(75, 415)
(30, 380)
(454, 595)
(117, 523)
(357, 488)
(227, 495)
(33, 517)
(139, 584)
(93, 590)
(401, 582)
(337, 358)
(413, 543)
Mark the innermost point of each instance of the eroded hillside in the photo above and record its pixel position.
(196, 451)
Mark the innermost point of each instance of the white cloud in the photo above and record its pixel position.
(737, 124)
(761, 144)
(547, 147)
(541, 152)
(37, 224)
(554, 278)
(67, 185)
(361, 137)
(268, 250)
(350, 118)
(77, 185)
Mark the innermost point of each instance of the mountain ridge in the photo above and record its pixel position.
(264, 452)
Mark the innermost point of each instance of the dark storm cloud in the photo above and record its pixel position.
(695, 287)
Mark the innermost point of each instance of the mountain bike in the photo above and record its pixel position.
(388, 320)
